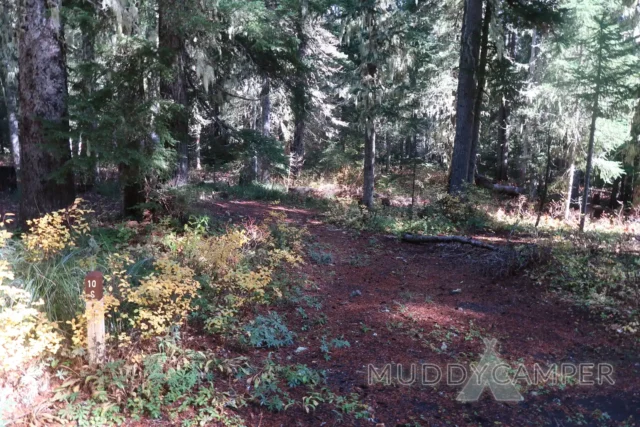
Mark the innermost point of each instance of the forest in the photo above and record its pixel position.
(319, 212)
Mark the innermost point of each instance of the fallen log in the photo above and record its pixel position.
(414, 238)
(511, 190)
(302, 191)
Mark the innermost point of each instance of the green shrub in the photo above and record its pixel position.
(269, 331)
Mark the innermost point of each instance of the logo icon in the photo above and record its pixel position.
(491, 372)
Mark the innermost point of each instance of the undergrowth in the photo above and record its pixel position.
(163, 281)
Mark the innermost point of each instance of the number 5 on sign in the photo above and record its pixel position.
(93, 292)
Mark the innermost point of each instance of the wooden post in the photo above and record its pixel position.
(93, 290)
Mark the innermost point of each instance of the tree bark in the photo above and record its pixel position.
(587, 175)
(592, 134)
(173, 54)
(46, 179)
(88, 159)
(503, 141)
(198, 152)
(9, 76)
(300, 97)
(504, 115)
(567, 207)
(469, 51)
(131, 171)
(10, 97)
(547, 176)
(387, 143)
(263, 174)
(265, 102)
(477, 109)
(369, 163)
(613, 199)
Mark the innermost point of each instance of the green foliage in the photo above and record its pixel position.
(172, 382)
(336, 343)
(319, 255)
(593, 270)
(269, 331)
(92, 413)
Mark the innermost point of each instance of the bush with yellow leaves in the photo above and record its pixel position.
(56, 231)
(163, 298)
(242, 265)
(236, 268)
(26, 335)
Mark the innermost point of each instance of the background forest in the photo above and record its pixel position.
(205, 154)
(150, 93)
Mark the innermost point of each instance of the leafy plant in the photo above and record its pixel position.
(269, 331)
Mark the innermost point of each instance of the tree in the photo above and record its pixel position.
(174, 88)
(46, 179)
(9, 75)
(466, 94)
(477, 108)
(299, 92)
(609, 63)
(504, 111)
(369, 73)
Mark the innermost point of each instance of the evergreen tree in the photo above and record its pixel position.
(171, 16)
(46, 178)
(466, 94)
(300, 90)
(605, 72)
(9, 74)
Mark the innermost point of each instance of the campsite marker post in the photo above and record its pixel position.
(93, 291)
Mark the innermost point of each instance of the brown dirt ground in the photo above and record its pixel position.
(408, 311)
(405, 311)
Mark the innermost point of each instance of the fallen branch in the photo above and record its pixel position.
(511, 190)
(302, 191)
(413, 238)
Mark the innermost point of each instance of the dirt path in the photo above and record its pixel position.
(400, 303)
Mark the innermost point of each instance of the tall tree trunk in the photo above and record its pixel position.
(131, 180)
(173, 54)
(369, 76)
(9, 76)
(587, 175)
(88, 159)
(572, 172)
(504, 121)
(131, 170)
(198, 150)
(300, 96)
(387, 143)
(10, 98)
(567, 207)
(547, 177)
(613, 200)
(46, 182)
(503, 141)
(265, 104)
(477, 109)
(369, 163)
(533, 55)
(592, 133)
(469, 52)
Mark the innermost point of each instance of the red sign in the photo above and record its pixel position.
(93, 282)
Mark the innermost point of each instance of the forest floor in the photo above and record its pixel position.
(400, 303)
